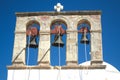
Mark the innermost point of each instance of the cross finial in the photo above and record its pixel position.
(58, 7)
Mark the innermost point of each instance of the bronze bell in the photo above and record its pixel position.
(33, 42)
(84, 38)
(58, 41)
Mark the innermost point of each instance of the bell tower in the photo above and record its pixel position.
(26, 34)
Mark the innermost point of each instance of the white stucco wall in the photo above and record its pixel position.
(109, 73)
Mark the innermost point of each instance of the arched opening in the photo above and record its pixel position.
(83, 28)
(58, 51)
(32, 40)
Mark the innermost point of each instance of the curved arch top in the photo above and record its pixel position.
(32, 22)
(84, 21)
(60, 20)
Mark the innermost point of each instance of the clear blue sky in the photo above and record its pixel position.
(110, 25)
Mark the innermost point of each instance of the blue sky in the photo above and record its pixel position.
(110, 25)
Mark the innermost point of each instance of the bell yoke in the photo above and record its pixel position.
(58, 31)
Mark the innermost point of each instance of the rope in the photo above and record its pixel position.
(59, 54)
(44, 55)
(80, 75)
(28, 50)
(85, 52)
(86, 58)
(80, 72)
(27, 78)
(28, 74)
(59, 75)
(18, 54)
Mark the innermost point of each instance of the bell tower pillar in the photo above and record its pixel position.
(71, 46)
(96, 41)
(19, 43)
(44, 45)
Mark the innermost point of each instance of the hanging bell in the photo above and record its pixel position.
(84, 38)
(58, 41)
(33, 42)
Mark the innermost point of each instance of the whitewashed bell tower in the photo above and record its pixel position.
(43, 70)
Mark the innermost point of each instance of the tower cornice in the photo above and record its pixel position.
(85, 12)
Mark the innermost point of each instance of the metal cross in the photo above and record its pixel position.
(58, 7)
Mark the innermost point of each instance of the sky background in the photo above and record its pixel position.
(110, 25)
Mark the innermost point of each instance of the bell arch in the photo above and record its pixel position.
(83, 21)
(88, 20)
(32, 41)
(32, 22)
(83, 28)
(58, 42)
(60, 21)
